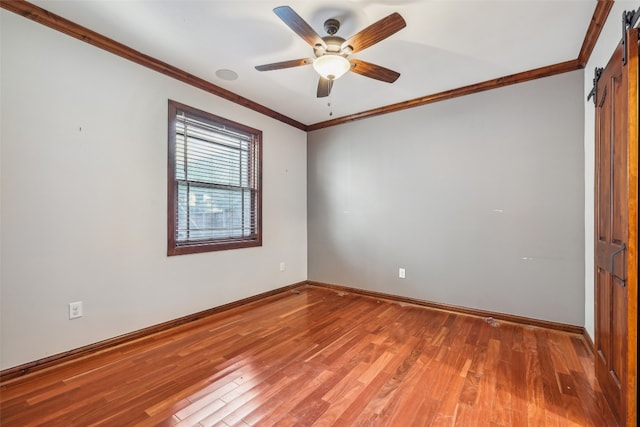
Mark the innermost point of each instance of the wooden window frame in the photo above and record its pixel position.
(176, 247)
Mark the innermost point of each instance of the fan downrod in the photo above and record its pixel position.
(331, 26)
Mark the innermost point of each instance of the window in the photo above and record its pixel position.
(214, 183)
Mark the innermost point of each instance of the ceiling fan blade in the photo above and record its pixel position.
(324, 87)
(299, 26)
(375, 32)
(374, 71)
(284, 64)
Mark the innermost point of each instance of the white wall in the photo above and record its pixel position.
(479, 198)
(609, 38)
(83, 202)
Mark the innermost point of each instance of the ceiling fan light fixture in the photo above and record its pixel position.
(331, 66)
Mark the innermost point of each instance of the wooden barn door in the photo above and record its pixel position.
(616, 224)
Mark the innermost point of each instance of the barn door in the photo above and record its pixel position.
(616, 223)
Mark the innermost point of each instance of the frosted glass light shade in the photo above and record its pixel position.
(330, 66)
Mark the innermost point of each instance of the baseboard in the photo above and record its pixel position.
(458, 309)
(67, 356)
(87, 350)
(590, 345)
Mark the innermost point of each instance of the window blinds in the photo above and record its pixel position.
(217, 181)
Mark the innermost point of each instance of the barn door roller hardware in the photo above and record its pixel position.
(596, 76)
(629, 20)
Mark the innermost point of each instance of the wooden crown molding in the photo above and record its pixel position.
(537, 73)
(603, 7)
(600, 14)
(44, 17)
(72, 29)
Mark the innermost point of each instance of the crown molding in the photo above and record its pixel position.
(603, 7)
(537, 73)
(44, 17)
(56, 22)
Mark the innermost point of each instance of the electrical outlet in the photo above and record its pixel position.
(282, 266)
(401, 273)
(75, 310)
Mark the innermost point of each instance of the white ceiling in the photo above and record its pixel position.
(445, 45)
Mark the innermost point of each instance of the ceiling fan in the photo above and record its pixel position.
(331, 52)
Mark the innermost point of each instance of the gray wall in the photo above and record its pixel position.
(479, 198)
(84, 199)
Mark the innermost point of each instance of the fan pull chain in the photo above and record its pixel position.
(329, 105)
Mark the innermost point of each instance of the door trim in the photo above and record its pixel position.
(631, 382)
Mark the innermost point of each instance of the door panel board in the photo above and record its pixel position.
(616, 218)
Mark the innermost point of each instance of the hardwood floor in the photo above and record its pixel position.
(315, 356)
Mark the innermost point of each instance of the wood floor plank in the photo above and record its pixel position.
(386, 400)
(450, 383)
(263, 407)
(316, 356)
(391, 406)
(487, 386)
(403, 411)
(534, 387)
(312, 380)
(519, 395)
(278, 387)
(360, 401)
(501, 412)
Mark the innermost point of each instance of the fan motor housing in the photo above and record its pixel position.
(334, 45)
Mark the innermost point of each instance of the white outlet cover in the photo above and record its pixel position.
(401, 273)
(75, 310)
